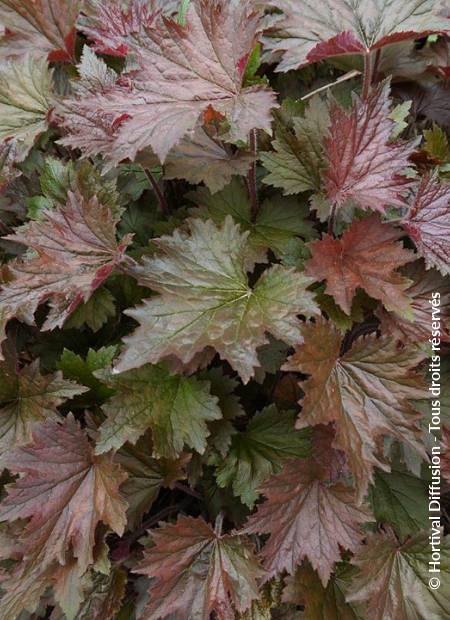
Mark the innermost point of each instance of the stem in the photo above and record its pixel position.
(185, 489)
(343, 78)
(367, 76)
(332, 220)
(218, 524)
(161, 199)
(252, 186)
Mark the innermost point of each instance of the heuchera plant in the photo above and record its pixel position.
(222, 222)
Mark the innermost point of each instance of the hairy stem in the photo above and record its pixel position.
(251, 180)
(156, 188)
(367, 75)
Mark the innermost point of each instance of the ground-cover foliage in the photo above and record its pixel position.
(222, 224)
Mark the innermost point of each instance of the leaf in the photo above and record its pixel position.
(393, 578)
(176, 408)
(429, 101)
(400, 499)
(309, 33)
(366, 392)
(74, 251)
(424, 284)
(428, 223)
(259, 451)
(297, 161)
(202, 159)
(104, 596)
(363, 164)
(307, 516)
(399, 115)
(223, 387)
(278, 220)
(436, 143)
(94, 72)
(198, 571)
(146, 476)
(65, 491)
(82, 370)
(115, 29)
(205, 300)
(95, 312)
(58, 178)
(182, 70)
(267, 604)
(366, 256)
(25, 102)
(341, 320)
(42, 26)
(305, 588)
(27, 398)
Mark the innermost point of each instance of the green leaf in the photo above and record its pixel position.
(394, 577)
(26, 398)
(82, 370)
(176, 408)
(399, 115)
(25, 101)
(278, 221)
(436, 143)
(400, 499)
(57, 178)
(296, 163)
(344, 321)
(321, 603)
(253, 64)
(146, 476)
(224, 388)
(206, 300)
(94, 313)
(259, 451)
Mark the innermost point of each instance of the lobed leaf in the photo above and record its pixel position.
(74, 251)
(366, 256)
(198, 571)
(307, 32)
(367, 392)
(206, 300)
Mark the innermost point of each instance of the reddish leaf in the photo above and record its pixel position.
(182, 70)
(366, 392)
(45, 26)
(75, 250)
(423, 285)
(198, 571)
(304, 588)
(428, 222)
(394, 578)
(26, 398)
(364, 166)
(113, 27)
(65, 491)
(366, 256)
(308, 515)
(308, 32)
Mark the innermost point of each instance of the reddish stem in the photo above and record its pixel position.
(367, 76)
(161, 199)
(252, 185)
